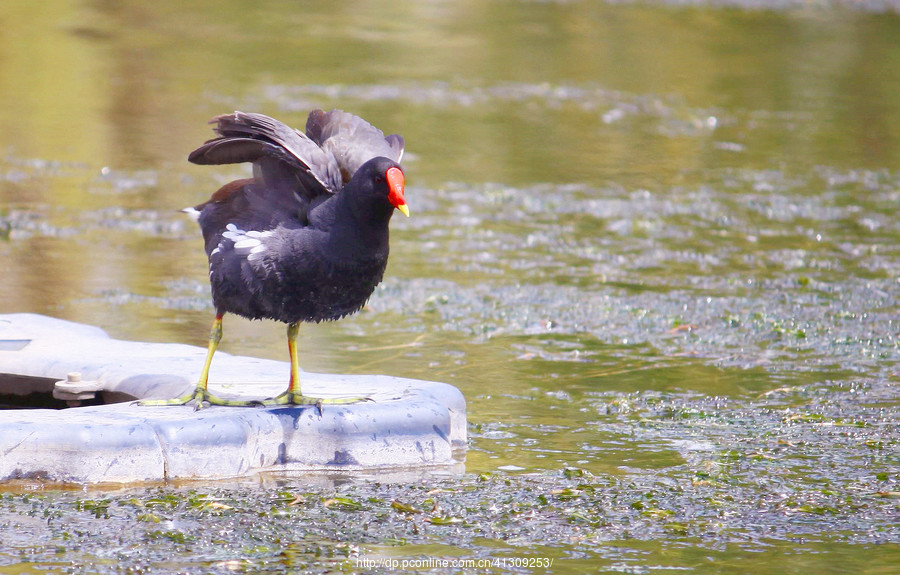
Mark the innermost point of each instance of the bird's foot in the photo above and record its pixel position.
(293, 398)
(201, 398)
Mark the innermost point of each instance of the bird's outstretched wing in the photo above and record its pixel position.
(350, 140)
(285, 160)
(293, 170)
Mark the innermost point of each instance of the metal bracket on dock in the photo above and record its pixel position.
(73, 390)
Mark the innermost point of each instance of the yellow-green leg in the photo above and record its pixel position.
(201, 394)
(293, 396)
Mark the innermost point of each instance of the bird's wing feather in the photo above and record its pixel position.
(286, 160)
(350, 140)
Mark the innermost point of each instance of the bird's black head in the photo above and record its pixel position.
(379, 185)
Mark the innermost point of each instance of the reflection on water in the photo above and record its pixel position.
(620, 213)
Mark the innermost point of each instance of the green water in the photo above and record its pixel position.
(654, 245)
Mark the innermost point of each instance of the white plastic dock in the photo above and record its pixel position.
(408, 424)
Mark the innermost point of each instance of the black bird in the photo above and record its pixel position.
(306, 238)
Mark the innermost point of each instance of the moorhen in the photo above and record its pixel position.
(306, 238)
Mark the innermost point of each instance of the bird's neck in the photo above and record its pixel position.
(359, 227)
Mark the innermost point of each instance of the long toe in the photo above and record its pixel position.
(201, 397)
(292, 398)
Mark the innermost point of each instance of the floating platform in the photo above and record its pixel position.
(107, 436)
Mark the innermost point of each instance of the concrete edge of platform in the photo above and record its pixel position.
(408, 424)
